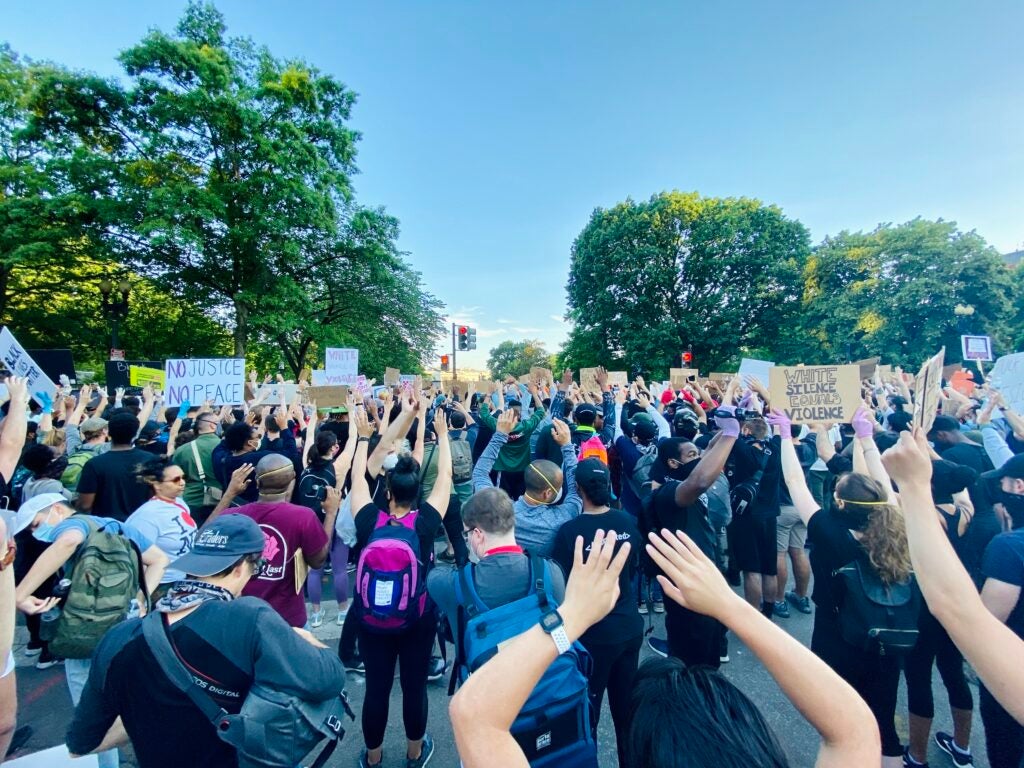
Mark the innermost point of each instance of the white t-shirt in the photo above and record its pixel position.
(833, 438)
(170, 526)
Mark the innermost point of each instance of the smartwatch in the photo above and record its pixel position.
(551, 622)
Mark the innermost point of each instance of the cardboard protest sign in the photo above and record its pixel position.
(541, 375)
(867, 366)
(1008, 378)
(722, 377)
(750, 368)
(618, 378)
(976, 348)
(392, 376)
(40, 387)
(328, 397)
(524, 379)
(679, 377)
(927, 390)
(221, 380)
(588, 380)
(341, 366)
(884, 371)
(816, 392)
(141, 376)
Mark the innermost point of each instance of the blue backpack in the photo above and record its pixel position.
(553, 727)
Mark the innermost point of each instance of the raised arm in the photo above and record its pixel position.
(360, 491)
(12, 440)
(442, 489)
(792, 472)
(864, 430)
(849, 734)
(421, 429)
(396, 429)
(711, 463)
(482, 470)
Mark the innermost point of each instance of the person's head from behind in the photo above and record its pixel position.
(402, 482)
(585, 415)
(132, 404)
(900, 421)
(862, 505)
(945, 431)
(240, 437)
(275, 476)
(594, 483)
(1011, 489)
(755, 428)
(686, 717)
(543, 480)
(456, 420)
(227, 552)
(122, 427)
(643, 430)
(270, 426)
(43, 461)
(949, 478)
(57, 439)
(489, 520)
(685, 423)
(325, 447)
(679, 457)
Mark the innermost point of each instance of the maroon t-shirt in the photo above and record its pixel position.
(286, 528)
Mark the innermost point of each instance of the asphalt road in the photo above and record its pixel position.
(44, 704)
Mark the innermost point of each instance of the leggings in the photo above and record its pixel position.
(615, 667)
(693, 638)
(380, 652)
(934, 646)
(452, 524)
(1004, 736)
(339, 563)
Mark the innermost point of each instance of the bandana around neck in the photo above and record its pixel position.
(189, 593)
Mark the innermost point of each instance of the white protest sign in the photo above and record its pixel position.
(928, 391)
(54, 757)
(976, 348)
(271, 393)
(341, 366)
(1008, 378)
(19, 363)
(221, 380)
(759, 369)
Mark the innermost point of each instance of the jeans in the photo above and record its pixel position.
(77, 673)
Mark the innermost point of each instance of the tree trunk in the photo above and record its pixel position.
(5, 278)
(241, 332)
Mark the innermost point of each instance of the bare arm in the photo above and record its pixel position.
(155, 562)
(792, 472)
(12, 440)
(398, 428)
(47, 564)
(442, 489)
(360, 490)
(710, 466)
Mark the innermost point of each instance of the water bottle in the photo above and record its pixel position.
(48, 621)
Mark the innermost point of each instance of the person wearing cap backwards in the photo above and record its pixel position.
(1003, 569)
(538, 516)
(613, 642)
(295, 537)
(514, 454)
(229, 643)
(52, 521)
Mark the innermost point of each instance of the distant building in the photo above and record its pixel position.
(1014, 259)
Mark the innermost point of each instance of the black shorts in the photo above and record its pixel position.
(753, 544)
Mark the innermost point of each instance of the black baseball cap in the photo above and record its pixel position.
(1013, 468)
(220, 545)
(585, 414)
(593, 477)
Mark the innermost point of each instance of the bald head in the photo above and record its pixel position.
(543, 480)
(274, 474)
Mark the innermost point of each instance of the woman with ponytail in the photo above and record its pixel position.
(864, 521)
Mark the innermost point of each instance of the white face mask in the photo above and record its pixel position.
(390, 461)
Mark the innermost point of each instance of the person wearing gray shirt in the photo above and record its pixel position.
(538, 516)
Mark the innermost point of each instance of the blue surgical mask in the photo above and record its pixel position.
(44, 532)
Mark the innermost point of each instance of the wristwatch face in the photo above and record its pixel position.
(551, 621)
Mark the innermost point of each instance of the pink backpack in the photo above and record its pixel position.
(391, 582)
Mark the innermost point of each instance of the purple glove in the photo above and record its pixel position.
(730, 426)
(863, 423)
(781, 420)
(747, 399)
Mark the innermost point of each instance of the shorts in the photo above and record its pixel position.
(791, 533)
(753, 544)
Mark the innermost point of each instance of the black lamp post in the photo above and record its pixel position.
(117, 310)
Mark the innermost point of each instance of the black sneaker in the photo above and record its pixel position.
(948, 745)
(356, 667)
(444, 557)
(426, 752)
(47, 660)
(436, 670)
(19, 739)
(909, 762)
(658, 645)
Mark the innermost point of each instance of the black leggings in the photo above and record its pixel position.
(1004, 736)
(934, 646)
(693, 638)
(615, 667)
(380, 652)
(452, 523)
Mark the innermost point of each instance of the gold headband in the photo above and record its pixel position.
(272, 471)
(545, 478)
(866, 503)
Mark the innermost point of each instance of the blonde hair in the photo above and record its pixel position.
(56, 438)
(885, 535)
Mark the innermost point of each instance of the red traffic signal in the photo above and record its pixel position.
(687, 357)
(463, 329)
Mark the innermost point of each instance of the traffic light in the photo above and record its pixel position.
(471, 338)
(687, 358)
(467, 338)
(444, 362)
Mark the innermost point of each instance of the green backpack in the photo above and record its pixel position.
(77, 460)
(105, 578)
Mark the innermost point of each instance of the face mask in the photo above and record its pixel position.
(1015, 508)
(683, 471)
(390, 461)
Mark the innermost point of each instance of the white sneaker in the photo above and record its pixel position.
(341, 616)
(316, 618)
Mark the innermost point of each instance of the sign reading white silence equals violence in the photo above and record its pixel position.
(813, 393)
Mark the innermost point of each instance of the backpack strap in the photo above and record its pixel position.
(199, 463)
(466, 594)
(155, 633)
(540, 574)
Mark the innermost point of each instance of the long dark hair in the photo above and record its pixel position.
(684, 717)
(403, 481)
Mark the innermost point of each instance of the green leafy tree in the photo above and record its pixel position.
(516, 358)
(893, 291)
(717, 275)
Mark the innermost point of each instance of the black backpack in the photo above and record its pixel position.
(311, 489)
(698, 527)
(874, 616)
(742, 495)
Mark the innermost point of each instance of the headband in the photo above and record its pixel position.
(272, 471)
(866, 503)
(545, 478)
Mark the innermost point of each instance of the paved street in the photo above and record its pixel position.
(45, 705)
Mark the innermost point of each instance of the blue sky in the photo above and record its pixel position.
(492, 130)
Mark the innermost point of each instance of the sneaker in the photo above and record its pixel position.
(316, 618)
(642, 607)
(47, 660)
(426, 752)
(328, 569)
(947, 745)
(436, 669)
(342, 615)
(658, 645)
(802, 604)
(659, 606)
(724, 658)
(909, 762)
(356, 667)
(781, 609)
(19, 739)
(364, 760)
(444, 557)
(33, 650)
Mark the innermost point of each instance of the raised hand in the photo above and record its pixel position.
(690, 579)
(593, 586)
(560, 432)
(240, 479)
(507, 421)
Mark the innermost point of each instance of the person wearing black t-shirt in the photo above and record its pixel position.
(614, 642)
(107, 486)
(953, 445)
(863, 525)
(681, 504)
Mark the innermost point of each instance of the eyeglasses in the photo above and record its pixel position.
(178, 479)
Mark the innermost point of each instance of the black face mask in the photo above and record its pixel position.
(683, 471)
(1014, 504)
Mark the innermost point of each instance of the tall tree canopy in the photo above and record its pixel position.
(893, 291)
(516, 358)
(649, 279)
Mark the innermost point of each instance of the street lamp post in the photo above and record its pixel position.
(114, 311)
(963, 314)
